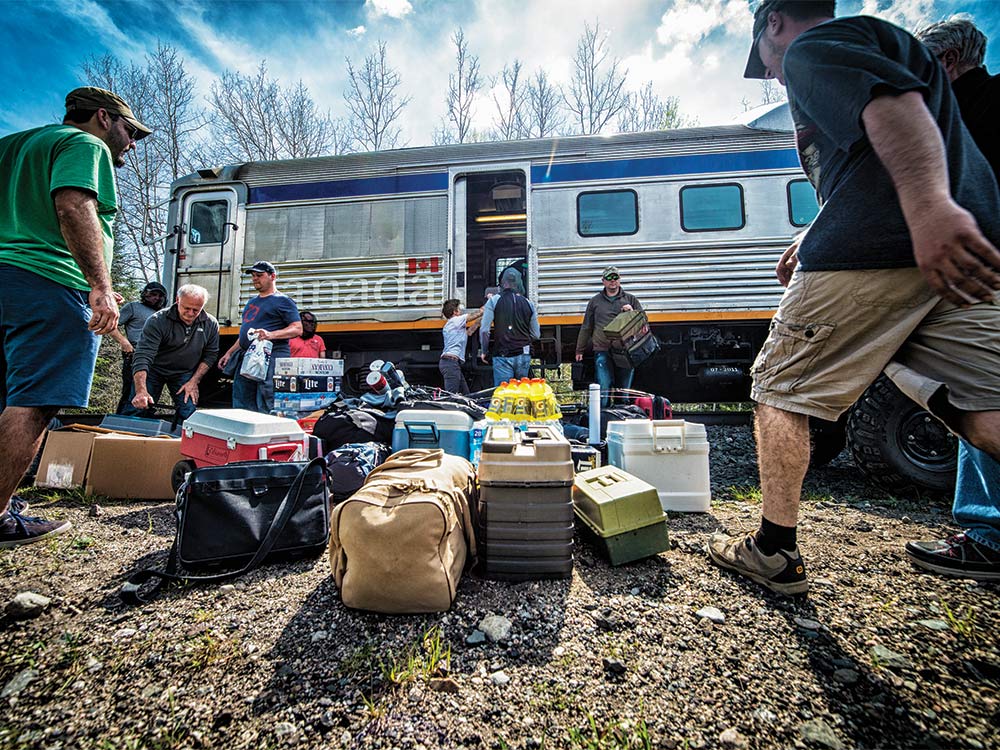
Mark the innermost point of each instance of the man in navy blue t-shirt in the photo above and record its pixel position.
(899, 270)
(271, 316)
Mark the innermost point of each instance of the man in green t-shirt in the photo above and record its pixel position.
(57, 205)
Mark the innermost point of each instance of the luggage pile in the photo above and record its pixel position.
(419, 494)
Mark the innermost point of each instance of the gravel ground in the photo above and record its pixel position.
(876, 656)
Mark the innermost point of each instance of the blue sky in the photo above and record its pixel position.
(692, 49)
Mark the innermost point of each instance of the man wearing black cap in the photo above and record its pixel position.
(514, 321)
(57, 207)
(899, 270)
(601, 310)
(270, 316)
(132, 318)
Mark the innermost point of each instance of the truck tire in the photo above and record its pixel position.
(826, 440)
(899, 446)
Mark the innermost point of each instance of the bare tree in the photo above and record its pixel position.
(544, 113)
(596, 93)
(645, 110)
(463, 86)
(374, 102)
(770, 92)
(245, 119)
(304, 131)
(509, 123)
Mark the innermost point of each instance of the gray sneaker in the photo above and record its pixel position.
(783, 572)
(16, 529)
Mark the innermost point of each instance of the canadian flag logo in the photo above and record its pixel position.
(423, 265)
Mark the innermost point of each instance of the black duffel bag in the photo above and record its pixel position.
(343, 423)
(242, 514)
(349, 466)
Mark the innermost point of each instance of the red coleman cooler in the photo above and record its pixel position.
(213, 437)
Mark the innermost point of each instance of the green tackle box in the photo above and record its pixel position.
(620, 513)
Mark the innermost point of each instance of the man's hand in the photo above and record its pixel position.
(957, 261)
(482, 357)
(118, 297)
(626, 308)
(223, 361)
(189, 391)
(105, 311)
(788, 261)
(259, 333)
(127, 347)
(579, 356)
(142, 400)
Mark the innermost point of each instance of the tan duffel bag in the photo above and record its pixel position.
(400, 543)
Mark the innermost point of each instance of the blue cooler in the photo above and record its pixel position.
(433, 428)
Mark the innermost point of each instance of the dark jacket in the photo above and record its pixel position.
(601, 310)
(172, 348)
(978, 95)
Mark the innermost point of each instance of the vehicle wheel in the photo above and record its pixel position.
(826, 440)
(898, 445)
(177, 473)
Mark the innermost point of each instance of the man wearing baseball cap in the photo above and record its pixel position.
(133, 317)
(899, 270)
(270, 316)
(601, 310)
(57, 207)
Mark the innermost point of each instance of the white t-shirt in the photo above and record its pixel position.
(455, 336)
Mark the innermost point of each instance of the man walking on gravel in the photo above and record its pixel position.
(899, 267)
(57, 206)
(975, 553)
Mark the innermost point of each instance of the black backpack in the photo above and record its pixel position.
(343, 423)
(349, 466)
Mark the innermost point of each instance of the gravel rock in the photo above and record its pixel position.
(26, 605)
(933, 624)
(890, 658)
(731, 738)
(499, 678)
(19, 682)
(819, 733)
(713, 614)
(475, 638)
(496, 628)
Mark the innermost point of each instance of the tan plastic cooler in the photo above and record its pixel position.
(670, 454)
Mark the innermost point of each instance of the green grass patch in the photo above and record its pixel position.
(618, 735)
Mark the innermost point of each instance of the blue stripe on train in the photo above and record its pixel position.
(542, 174)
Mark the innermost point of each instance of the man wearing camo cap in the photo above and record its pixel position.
(57, 207)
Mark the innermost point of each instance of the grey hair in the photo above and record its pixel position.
(958, 33)
(193, 290)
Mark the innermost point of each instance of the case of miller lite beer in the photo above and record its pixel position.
(213, 437)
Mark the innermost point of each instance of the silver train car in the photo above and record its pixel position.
(694, 218)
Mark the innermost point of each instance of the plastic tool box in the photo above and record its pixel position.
(670, 454)
(526, 503)
(620, 513)
(433, 428)
(632, 341)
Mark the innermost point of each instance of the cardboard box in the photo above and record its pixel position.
(109, 464)
(306, 384)
(302, 401)
(309, 366)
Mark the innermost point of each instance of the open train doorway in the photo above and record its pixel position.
(495, 232)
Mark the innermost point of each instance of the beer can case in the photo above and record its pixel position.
(307, 384)
(620, 514)
(313, 366)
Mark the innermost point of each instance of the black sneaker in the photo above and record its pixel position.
(16, 529)
(19, 505)
(956, 556)
(783, 572)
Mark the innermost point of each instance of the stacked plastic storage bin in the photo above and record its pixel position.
(526, 503)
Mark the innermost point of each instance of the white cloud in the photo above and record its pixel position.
(356, 31)
(690, 21)
(909, 14)
(391, 8)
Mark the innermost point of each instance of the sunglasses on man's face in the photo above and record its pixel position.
(131, 129)
(612, 277)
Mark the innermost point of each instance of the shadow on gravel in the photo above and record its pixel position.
(156, 519)
(863, 693)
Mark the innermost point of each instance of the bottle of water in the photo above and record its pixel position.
(476, 436)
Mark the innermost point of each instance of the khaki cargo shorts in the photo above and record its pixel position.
(835, 331)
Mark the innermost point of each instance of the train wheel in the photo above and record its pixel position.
(898, 445)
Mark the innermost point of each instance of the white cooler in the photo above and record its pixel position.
(670, 454)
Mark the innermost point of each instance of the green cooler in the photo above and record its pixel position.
(621, 513)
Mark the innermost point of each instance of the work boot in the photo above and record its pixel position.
(16, 529)
(783, 572)
(956, 556)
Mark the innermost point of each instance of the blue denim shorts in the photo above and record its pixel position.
(47, 355)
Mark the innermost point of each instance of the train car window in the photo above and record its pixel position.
(712, 208)
(802, 205)
(207, 219)
(606, 213)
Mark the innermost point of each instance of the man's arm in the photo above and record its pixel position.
(288, 332)
(586, 331)
(957, 261)
(210, 354)
(536, 329)
(190, 389)
(229, 353)
(123, 342)
(141, 399)
(77, 214)
(484, 331)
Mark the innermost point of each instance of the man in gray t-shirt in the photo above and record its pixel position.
(132, 318)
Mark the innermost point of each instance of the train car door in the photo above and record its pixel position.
(489, 229)
(206, 247)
